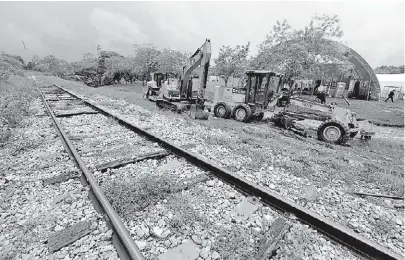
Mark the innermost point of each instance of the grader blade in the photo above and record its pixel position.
(198, 113)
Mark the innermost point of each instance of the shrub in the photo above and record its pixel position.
(128, 196)
(15, 102)
(10, 65)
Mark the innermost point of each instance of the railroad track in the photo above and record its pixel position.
(84, 128)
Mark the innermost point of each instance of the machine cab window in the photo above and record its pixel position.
(241, 86)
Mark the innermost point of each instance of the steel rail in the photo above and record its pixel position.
(128, 244)
(333, 230)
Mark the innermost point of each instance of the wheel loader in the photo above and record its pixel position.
(178, 95)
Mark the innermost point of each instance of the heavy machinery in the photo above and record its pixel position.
(152, 89)
(261, 91)
(250, 98)
(179, 95)
(338, 124)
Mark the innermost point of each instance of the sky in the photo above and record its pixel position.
(373, 29)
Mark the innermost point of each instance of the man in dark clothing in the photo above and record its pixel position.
(391, 96)
(321, 94)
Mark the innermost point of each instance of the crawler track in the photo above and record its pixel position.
(334, 231)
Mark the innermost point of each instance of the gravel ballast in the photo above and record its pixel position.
(262, 158)
(33, 209)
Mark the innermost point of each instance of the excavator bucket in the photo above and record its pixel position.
(198, 113)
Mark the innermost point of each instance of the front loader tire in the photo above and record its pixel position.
(222, 110)
(331, 131)
(242, 113)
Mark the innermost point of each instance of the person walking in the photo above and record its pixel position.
(391, 96)
(321, 94)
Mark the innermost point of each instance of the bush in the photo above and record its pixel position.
(15, 102)
(10, 65)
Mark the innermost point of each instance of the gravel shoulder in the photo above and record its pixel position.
(306, 171)
(31, 210)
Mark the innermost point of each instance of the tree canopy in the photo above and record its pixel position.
(172, 61)
(389, 69)
(232, 61)
(303, 53)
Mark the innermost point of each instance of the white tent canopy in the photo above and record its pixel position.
(389, 82)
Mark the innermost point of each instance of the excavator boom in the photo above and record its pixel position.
(184, 99)
(200, 58)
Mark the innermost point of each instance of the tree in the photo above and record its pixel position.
(232, 61)
(172, 61)
(299, 53)
(117, 68)
(146, 59)
(53, 66)
(10, 65)
(389, 69)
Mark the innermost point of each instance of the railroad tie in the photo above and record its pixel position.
(60, 178)
(68, 235)
(122, 162)
(76, 113)
(269, 243)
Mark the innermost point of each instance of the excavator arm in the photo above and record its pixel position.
(200, 58)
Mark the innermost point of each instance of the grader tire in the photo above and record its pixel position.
(332, 131)
(242, 113)
(222, 110)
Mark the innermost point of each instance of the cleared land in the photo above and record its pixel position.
(312, 173)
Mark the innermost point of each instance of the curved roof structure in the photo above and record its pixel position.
(362, 70)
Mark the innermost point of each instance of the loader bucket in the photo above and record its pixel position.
(198, 113)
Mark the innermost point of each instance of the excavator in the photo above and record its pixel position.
(178, 95)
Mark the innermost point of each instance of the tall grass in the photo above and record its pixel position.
(16, 95)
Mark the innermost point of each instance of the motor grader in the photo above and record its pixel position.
(338, 124)
(250, 98)
(264, 91)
